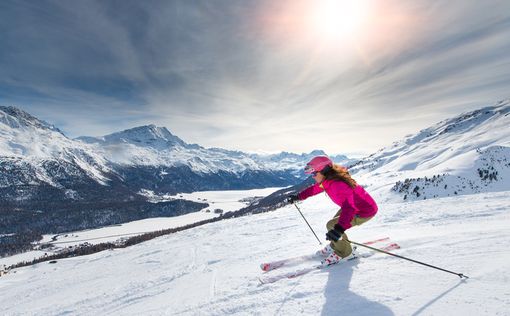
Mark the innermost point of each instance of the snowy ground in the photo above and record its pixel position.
(213, 269)
(225, 200)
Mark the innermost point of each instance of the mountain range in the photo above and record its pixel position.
(50, 183)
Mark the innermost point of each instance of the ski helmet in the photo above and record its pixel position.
(317, 164)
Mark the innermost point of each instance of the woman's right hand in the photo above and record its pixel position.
(292, 198)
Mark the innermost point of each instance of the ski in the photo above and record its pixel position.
(303, 271)
(299, 259)
(287, 262)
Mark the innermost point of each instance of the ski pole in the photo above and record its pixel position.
(307, 223)
(460, 275)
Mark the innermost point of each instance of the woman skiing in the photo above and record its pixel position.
(356, 205)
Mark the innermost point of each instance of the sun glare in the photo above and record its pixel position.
(338, 19)
(339, 33)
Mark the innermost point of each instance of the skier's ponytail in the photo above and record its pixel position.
(340, 173)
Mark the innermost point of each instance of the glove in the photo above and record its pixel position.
(336, 233)
(291, 198)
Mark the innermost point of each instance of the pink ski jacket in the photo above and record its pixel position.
(353, 202)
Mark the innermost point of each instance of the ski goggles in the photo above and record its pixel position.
(310, 170)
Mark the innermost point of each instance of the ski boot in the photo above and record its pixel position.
(325, 252)
(333, 258)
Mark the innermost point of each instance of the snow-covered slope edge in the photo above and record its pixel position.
(489, 171)
(463, 155)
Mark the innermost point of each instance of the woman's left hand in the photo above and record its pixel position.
(336, 233)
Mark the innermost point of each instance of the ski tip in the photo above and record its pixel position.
(265, 266)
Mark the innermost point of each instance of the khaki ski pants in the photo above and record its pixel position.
(342, 247)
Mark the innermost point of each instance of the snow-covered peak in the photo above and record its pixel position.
(143, 136)
(14, 117)
(22, 135)
(288, 160)
(431, 147)
(476, 122)
(318, 152)
(36, 143)
(471, 120)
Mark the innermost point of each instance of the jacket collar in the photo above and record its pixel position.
(325, 184)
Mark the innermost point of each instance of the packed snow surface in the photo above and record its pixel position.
(214, 269)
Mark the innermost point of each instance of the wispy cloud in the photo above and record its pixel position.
(248, 74)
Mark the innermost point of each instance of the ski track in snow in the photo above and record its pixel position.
(213, 269)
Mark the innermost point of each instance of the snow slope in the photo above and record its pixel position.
(466, 154)
(213, 269)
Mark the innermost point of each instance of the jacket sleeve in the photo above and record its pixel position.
(310, 191)
(346, 216)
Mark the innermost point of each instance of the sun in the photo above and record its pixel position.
(338, 19)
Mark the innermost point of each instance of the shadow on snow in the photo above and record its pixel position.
(340, 300)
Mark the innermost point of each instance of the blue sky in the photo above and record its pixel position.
(263, 75)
